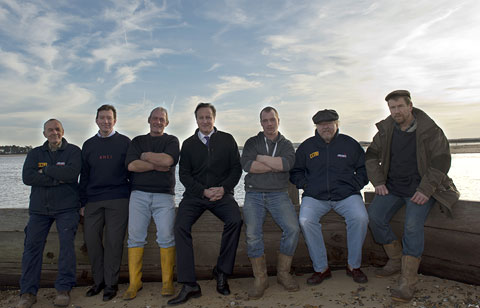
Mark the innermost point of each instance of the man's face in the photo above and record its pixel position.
(53, 131)
(105, 122)
(205, 120)
(158, 122)
(269, 123)
(327, 130)
(400, 111)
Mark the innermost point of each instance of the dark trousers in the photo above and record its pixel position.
(189, 210)
(36, 233)
(104, 229)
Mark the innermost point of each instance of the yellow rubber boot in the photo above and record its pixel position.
(167, 258)
(135, 262)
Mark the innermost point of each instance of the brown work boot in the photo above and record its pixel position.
(409, 277)
(62, 299)
(260, 283)
(283, 273)
(26, 300)
(394, 263)
(318, 277)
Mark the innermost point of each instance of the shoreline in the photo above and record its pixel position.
(340, 291)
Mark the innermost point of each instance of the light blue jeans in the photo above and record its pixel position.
(144, 206)
(381, 211)
(283, 213)
(352, 209)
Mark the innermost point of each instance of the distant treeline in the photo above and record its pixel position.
(14, 149)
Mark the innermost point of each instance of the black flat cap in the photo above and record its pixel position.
(397, 93)
(325, 115)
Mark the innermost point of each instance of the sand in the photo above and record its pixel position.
(340, 291)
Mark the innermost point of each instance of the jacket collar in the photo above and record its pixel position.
(62, 147)
(424, 122)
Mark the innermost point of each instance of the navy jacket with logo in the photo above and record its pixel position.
(329, 171)
(55, 190)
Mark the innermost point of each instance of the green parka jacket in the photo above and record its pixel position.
(433, 159)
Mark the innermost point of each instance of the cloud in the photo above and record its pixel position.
(126, 75)
(213, 67)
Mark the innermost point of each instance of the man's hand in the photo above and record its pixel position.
(82, 211)
(381, 190)
(144, 156)
(214, 193)
(419, 198)
(161, 168)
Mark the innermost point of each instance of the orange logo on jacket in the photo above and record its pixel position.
(314, 154)
(41, 165)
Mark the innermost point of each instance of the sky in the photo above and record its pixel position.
(63, 59)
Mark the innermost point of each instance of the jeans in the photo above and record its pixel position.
(283, 213)
(36, 233)
(144, 206)
(352, 209)
(381, 211)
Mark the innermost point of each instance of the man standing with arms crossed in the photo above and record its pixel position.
(52, 170)
(268, 157)
(104, 193)
(407, 163)
(152, 158)
(209, 169)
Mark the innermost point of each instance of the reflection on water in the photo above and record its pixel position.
(465, 172)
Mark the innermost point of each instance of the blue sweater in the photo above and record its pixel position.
(104, 176)
(329, 171)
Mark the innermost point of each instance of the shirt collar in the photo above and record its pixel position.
(110, 135)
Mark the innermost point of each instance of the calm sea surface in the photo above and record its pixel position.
(465, 172)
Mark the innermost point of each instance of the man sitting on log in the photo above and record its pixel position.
(267, 158)
(209, 169)
(330, 168)
(152, 158)
(52, 170)
(407, 162)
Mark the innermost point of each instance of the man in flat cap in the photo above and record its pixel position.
(407, 163)
(330, 168)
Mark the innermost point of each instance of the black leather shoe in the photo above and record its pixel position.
(109, 293)
(94, 290)
(185, 294)
(222, 284)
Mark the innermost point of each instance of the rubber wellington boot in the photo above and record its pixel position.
(409, 277)
(394, 263)
(167, 257)
(283, 273)
(135, 263)
(260, 283)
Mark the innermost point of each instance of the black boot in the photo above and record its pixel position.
(185, 294)
(109, 293)
(94, 290)
(222, 283)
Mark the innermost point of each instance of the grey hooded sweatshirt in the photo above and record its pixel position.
(270, 181)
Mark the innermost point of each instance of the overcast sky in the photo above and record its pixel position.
(63, 59)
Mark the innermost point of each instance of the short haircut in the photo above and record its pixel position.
(107, 107)
(206, 105)
(159, 109)
(51, 120)
(268, 109)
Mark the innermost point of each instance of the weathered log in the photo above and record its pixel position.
(452, 247)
